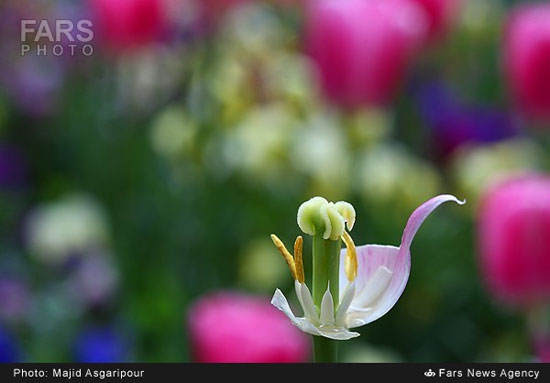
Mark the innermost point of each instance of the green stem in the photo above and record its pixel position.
(326, 269)
(325, 350)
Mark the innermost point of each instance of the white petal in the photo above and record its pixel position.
(374, 288)
(307, 304)
(298, 289)
(337, 333)
(303, 324)
(332, 332)
(327, 308)
(279, 301)
(345, 302)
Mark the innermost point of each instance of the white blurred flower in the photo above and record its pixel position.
(69, 225)
(252, 28)
(290, 77)
(259, 270)
(150, 78)
(258, 146)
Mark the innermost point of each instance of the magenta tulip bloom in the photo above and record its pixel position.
(236, 328)
(526, 58)
(440, 14)
(514, 239)
(363, 48)
(128, 24)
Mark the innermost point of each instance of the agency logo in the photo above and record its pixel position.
(429, 373)
(57, 37)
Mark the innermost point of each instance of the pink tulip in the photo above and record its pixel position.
(440, 15)
(128, 24)
(236, 328)
(526, 58)
(363, 48)
(514, 237)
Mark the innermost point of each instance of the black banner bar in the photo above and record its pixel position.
(376, 372)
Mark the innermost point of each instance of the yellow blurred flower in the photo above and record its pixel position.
(173, 133)
(259, 268)
(474, 169)
(389, 174)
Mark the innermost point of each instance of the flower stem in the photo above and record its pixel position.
(326, 269)
(325, 350)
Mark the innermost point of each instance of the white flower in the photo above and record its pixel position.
(381, 274)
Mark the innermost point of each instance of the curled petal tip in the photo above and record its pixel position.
(449, 197)
(421, 213)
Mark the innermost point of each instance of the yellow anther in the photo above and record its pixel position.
(286, 255)
(298, 259)
(350, 263)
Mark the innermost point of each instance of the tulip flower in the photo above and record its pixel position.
(235, 328)
(514, 239)
(440, 15)
(350, 288)
(526, 58)
(514, 245)
(128, 24)
(363, 48)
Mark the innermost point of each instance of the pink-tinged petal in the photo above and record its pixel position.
(375, 287)
(376, 261)
(371, 259)
(420, 214)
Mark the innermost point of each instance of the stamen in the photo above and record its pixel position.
(350, 263)
(298, 259)
(286, 255)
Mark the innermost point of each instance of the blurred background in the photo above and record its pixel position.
(144, 169)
